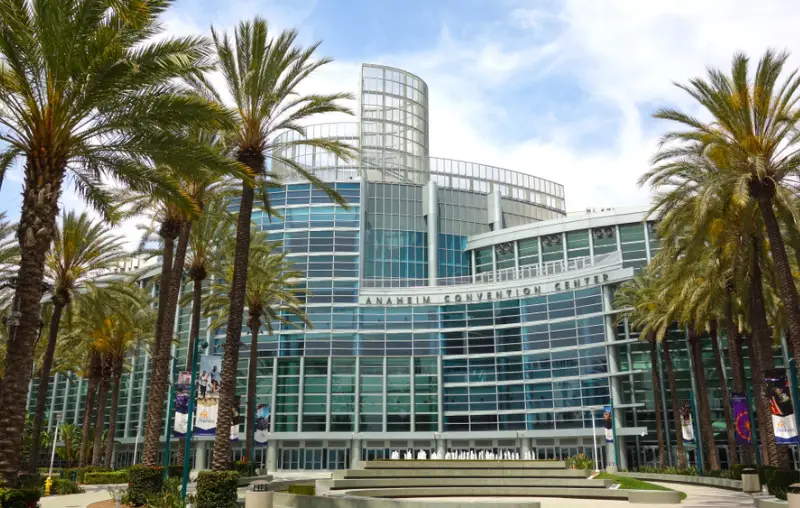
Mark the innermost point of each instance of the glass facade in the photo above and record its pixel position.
(435, 325)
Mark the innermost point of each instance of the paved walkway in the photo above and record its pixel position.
(92, 494)
(696, 497)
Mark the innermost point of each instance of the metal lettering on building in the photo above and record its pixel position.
(483, 296)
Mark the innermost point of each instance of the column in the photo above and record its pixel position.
(612, 353)
(329, 395)
(524, 446)
(64, 406)
(440, 390)
(76, 418)
(385, 391)
(412, 393)
(441, 446)
(130, 396)
(355, 453)
(665, 414)
(300, 394)
(142, 399)
(200, 455)
(357, 404)
(274, 400)
(430, 211)
(272, 456)
(495, 210)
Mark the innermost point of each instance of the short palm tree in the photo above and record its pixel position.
(83, 249)
(87, 94)
(270, 297)
(69, 435)
(753, 145)
(262, 73)
(628, 297)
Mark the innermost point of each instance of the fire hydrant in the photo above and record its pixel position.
(47, 484)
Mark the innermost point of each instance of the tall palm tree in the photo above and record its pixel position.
(214, 224)
(82, 250)
(262, 74)
(86, 92)
(270, 298)
(752, 141)
(627, 297)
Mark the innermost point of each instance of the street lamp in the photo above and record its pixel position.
(188, 438)
(53, 453)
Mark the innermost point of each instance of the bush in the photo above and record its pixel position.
(243, 468)
(30, 481)
(61, 487)
(778, 481)
(78, 474)
(144, 482)
(108, 477)
(217, 489)
(170, 497)
(175, 471)
(20, 498)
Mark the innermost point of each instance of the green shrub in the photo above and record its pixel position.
(30, 481)
(78, 474)
(144, 482)
(778, 481)
(61, 487)
(20, 498)
(217, 489)
(175, 471)
(170, 497)
(107, 477)
(303, 490)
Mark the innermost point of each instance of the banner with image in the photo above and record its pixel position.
(687, 427)
(608, 424)
(237, 418)
(780, 404)
(207, 389)
(262, 425)
(741, 419)
(182, 390)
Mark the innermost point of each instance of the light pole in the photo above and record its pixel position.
(136, 443)
(53, 453)
(187, 451)
(594, 450)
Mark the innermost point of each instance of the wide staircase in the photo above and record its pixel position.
(470, 478)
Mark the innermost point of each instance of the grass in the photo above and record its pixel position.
(626, 483)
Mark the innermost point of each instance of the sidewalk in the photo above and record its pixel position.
(92, 494)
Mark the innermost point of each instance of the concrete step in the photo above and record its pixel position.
(465, 464)
(456, 473)
(442, 491)
(368, 483)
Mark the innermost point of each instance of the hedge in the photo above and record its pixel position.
(20, 498)
(217, 489)
(108, 477)
(778, 481)
(61, 487)
(144, 482)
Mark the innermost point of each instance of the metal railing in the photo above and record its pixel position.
(505, 275)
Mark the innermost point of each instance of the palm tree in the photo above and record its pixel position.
(69, 435)
(82, 250)
(270, 298)
(214, 224)
(86, 91)
(262, 74)
(627, 297)
(753, 144)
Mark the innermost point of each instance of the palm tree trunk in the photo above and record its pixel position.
(711, 461)
(783, 270)
(100, 419)
(194, 330)
(651, 339)
(726, 396)
(44, 383)
(737, 365)
(112, 422)
(255, 324)
(222, 444)
(88, 410)
(158, 367)
(42, 188)
(676, 410)
(762, 358)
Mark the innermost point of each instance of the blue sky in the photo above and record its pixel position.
(562, 89)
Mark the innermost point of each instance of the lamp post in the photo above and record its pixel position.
(187, 451)
(53, 453)
(136, 444)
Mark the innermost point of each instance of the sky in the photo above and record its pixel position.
(561, 89)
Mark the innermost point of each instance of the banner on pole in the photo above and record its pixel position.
(608, 424)
(780, 403)
(208, 385)
(262, 424)
(741, 419)
(687, 428)
(237, 418)
(182, 389)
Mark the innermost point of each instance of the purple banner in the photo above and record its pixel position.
(741, 419)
